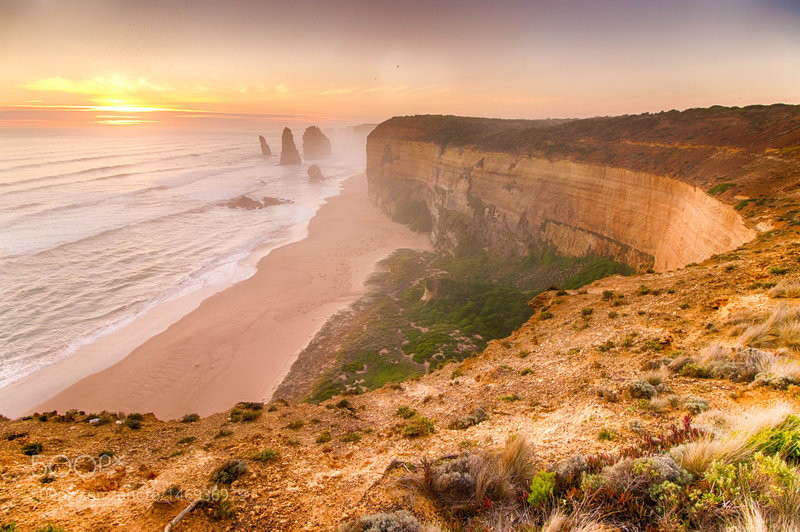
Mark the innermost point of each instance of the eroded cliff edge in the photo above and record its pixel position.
(605, 186)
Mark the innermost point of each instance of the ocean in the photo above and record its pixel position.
(95, 230)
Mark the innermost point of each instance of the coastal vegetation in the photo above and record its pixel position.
(426, 309)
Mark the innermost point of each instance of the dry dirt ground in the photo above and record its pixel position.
(541, 382)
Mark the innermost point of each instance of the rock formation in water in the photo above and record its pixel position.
(630, 188)
(315, 144)
(264, 146)
(314, 173)
(289, 154)
(247, 203)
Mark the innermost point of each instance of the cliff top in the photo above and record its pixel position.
(700, 146)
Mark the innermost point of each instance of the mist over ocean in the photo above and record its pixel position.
(96, 230)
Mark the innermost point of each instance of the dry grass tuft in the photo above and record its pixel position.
(785, 288)
(732, 448)
(781, 329)
(558, 521)
(655, 377)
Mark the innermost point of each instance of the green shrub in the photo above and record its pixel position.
(510, 398)
(641, 389)
(546, 315)
(324, 437)
(420, 426)
(586, 312)
(133, 423)
(31, 449)
(229, 471)
(267, 455)
(783, 439)
(190, 418)
(350, 437)
(607, 434)
(478, 415)
(406, 412)
(719, 188)
(296, 424)
(541, 488)
(188, 439)
(692, 369)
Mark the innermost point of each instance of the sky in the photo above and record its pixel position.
(243, 63)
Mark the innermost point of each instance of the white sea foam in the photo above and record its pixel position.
(95, 231)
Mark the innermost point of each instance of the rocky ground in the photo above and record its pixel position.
(330, 462)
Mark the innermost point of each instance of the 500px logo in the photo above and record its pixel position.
(84, 465)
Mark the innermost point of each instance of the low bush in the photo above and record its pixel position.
(190, 418)
(406, 412)
(267, 455)
(420, 426)
(641, 389)
(400, 521)
(228, 472)
(475, 417)
(350, 437)
(32, 449)
(324, 437)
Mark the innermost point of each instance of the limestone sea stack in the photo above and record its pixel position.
(289, 154)
(315, 144)
(314, 173)
(264, 146)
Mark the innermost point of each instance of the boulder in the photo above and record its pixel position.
(315, 144)
(314, 173)
(289, 154)
(264, 146)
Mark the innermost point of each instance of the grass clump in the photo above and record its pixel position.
(324, 437)
(469, 482)
(785, 289)
(510, 398)
(296, 424)
(780, 329)
(187, 439)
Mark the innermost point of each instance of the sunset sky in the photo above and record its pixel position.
(240, 64)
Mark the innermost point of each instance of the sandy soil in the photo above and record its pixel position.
(239, 343)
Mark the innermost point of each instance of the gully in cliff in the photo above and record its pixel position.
(289, 154)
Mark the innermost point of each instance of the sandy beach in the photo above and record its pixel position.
(238, 344)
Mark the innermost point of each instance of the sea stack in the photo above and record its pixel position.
(264, 146)
(314, 173)
(289, 154)
(315, 144)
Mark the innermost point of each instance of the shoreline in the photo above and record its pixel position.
(236, 343)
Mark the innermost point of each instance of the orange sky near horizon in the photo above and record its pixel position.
(246, 63)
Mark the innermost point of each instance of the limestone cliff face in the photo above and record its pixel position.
(506, 201)
(289, 154)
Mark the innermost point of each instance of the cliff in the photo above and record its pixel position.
(608, 186)
(315, 144)
(289, 154)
